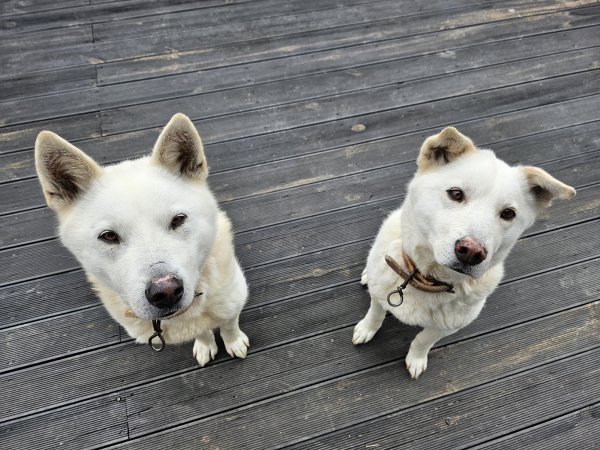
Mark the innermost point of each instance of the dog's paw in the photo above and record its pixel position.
(363, 332)
(205, 349)
(363, 277)
(416, 365)
(236, 345)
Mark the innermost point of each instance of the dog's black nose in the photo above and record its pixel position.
(470, 251)
(165, 291)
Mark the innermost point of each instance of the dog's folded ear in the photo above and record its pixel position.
(545, 187)
(65, 172)
(443, 148)
(179, 149)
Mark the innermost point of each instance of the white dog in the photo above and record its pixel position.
(151, 239)
(463, 212)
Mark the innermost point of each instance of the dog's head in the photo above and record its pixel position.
(468, 208)
(142, 228)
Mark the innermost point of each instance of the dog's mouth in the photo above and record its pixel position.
(174, 312)
(463, 269)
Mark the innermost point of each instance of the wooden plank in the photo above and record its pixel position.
(36, 84)
(225, 156)
(466, 418)
(202, 17)
(285, 365)
(94, 422)
(333, 403)
(22, 137)
(422, 32)
(496, 101)
(421, 93)
(114, 12)
(12, 48)
(199, 88)
(581, 427)
(60, 336)
(279, 25)
(67, 292)
(32, 6)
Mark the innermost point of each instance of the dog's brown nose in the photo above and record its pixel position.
(165, 291)
(470, 251)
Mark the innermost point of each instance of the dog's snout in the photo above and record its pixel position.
(165, 291)
(470, 251)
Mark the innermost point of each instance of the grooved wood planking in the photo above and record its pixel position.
(312, 114)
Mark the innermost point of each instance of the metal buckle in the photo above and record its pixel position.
(400, 289)
(157, 334)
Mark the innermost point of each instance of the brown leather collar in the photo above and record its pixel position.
(415, 278)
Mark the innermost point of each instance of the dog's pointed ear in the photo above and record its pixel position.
(64, 171)
(545, 187)
(443, 148)
(179, 149)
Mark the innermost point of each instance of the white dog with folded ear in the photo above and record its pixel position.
(463, 212)
(151, 238)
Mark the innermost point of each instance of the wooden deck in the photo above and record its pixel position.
(312, 113)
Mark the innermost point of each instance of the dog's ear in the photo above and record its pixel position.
(443, 148)
(65, 172)
(179, 149)
(544, 186)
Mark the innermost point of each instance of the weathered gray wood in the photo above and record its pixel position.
(581, 428)
(342, 401)
(33, 6)
(499, 26)
(192, 86)
(199, 385)
(46, 297)
(97, 421)
(198, 16)
(44, 340)
(337, 99)
(111, 12)
(306, 194)
(466, 418)
(497, 101)
(44, 83)
(22, 137)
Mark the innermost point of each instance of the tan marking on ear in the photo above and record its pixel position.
(545, 187)
(64, 171)
(443, 148)
(179, 148)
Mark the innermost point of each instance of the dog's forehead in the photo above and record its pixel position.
(139, 187)
(482, 176)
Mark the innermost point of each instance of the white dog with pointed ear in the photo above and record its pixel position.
(151, 239)
(437, 258)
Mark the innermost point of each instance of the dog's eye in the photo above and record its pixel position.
(177, 221)
(508, 214)
(456, 194)
(109, 236)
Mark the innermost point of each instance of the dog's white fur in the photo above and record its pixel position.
(138, 199)
(429, 223)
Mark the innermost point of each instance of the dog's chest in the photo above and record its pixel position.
(443, 311)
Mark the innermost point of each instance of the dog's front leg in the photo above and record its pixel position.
(370, 324)
(205, 347)
(416, 360)
(235, 340)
